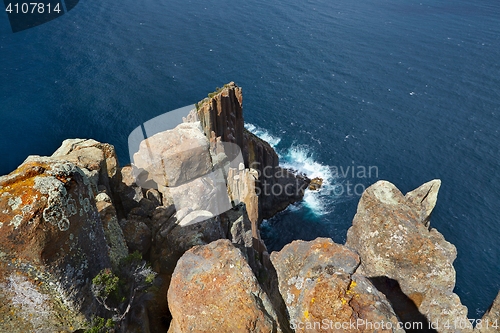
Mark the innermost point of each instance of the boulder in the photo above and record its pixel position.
(214, 290)
(322, 292)
(405, 258)
(174, 157)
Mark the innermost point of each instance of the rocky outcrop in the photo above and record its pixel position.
(221, 117)
(52, 244)
(115, 239)
(97, 160)
(322, 292)
(241, 185)
(490, 323)
(174, 157)
(66, 217)
(404, 257)
(214, 289)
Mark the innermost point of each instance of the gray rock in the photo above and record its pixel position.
(137, 235)
(391, 234)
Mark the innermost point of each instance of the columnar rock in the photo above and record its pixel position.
(214, 290)
(404, 256)
(221, 117)
(241, 185)
(322, 292)
(52, 244)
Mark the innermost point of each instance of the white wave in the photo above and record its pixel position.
(263, 134)
(301, 159)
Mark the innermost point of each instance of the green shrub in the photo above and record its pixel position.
(101, 325)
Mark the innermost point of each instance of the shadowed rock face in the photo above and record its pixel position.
(391, 233)
(317, 281)
(51, 245)
(214, 290)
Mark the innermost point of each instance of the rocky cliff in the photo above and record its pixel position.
(84, 248)
(221, 116)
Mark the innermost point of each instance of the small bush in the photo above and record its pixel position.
(101, 325)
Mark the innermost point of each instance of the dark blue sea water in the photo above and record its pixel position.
(409, 88)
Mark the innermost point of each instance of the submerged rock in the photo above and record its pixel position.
(214, 289)
(404, 257)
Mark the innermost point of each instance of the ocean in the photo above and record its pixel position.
(406, 91)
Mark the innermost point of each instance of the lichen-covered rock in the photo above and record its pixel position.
(114, 235)
(322, 292)
(490, 323)
(214, 290)
(391, 233)
(98, 160)
(51, 232)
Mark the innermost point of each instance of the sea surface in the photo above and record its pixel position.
(408, 90)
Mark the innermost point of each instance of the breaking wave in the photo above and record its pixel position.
(301, 159)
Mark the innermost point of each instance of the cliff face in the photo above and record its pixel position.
(66, 217)
(221, 116)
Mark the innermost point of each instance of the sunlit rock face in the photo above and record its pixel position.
(52, 243)
(320, 288)
(213, 288)
(398, 249)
